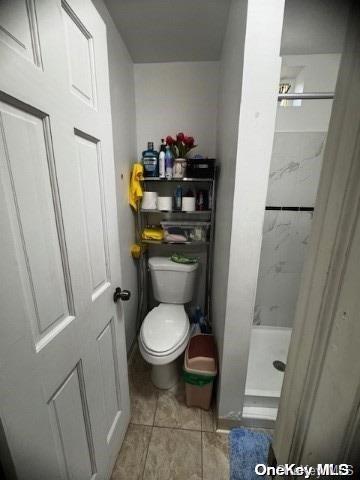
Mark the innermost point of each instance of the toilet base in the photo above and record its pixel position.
(165, 376)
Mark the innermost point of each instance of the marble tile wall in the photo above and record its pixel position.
(293, 182)
(295, 168)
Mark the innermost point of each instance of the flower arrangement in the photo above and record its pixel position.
(181, 145)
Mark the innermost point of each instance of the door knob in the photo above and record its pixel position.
(123, 295)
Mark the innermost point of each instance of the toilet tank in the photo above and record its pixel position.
(172, 282)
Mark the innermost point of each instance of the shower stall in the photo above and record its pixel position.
(305, 101)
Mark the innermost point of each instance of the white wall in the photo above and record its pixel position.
(231, 70)
(124, 134)
(253, 153)
(177, 97)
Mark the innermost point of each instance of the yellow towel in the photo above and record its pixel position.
(135, 188)
(153, 234)
(136, 250)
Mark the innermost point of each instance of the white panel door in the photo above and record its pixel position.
(64, 401)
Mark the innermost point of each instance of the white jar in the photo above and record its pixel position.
(179, 168)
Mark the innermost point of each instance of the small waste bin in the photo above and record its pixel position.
(200, 370)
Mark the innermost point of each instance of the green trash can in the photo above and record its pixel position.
(200, 370)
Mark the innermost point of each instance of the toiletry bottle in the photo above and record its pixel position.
(178, 198)
(200, 200)
(150, 161)
(162, 159)
(169, 160)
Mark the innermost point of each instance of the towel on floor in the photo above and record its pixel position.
(135, 188)
(247, 449)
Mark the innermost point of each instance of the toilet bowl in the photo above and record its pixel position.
(163, 338)
(165, 330)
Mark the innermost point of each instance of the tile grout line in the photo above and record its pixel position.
(171, 428)
(147, 452)
(156, 406)
(152, 431)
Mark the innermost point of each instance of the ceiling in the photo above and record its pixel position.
(193, 30)
(171, 30)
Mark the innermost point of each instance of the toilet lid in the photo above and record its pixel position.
(164, 327)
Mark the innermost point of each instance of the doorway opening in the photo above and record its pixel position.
(302, 121)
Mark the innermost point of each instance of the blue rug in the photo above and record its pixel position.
(247, 449)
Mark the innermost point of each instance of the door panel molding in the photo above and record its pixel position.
(28, 46)
(72, 447)
(80, 52)
(92, 187)
(45, 233)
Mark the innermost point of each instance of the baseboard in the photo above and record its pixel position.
(226, 424)
(258, 422)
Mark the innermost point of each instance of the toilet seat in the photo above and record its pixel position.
(164, 333)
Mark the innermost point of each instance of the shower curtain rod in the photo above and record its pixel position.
(306, 96)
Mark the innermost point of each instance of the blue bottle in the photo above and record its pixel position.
(150, 161)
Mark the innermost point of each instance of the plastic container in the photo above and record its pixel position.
(200, 168)
(188, 204)
(190, 231)
(200, 370)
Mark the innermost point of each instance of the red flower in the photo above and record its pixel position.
(180, 137)
(169, 140)
(189, 141)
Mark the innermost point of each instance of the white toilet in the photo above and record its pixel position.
(164, 333)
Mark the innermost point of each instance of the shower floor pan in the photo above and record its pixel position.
(264, 381)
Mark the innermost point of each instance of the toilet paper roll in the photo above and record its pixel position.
(164, 203)
(149, 201)
(188, 204)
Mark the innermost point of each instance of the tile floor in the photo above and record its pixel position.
(166, 440)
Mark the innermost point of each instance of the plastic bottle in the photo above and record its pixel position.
(150, 161)
(162, 159)
(169, 160)
(178, 198)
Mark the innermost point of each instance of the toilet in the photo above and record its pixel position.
(165, 330)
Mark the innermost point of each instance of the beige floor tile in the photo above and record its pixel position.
(172, 411)
(131, 460)
(143, 398)
(208, 421)
(173, 455)
(215, 456)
